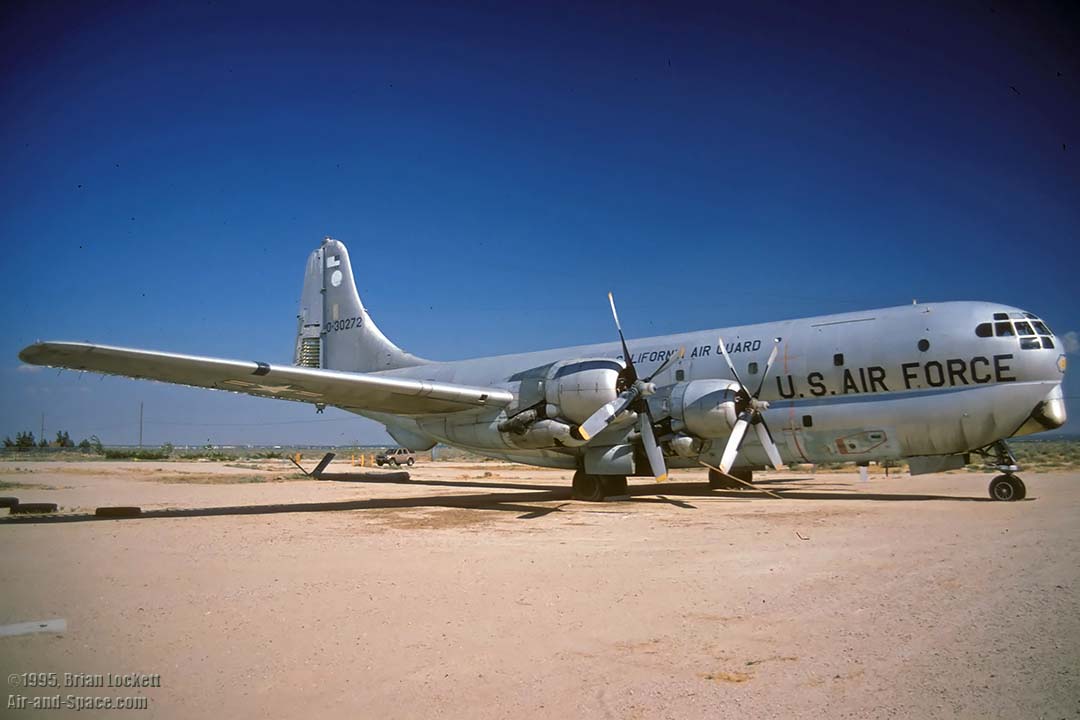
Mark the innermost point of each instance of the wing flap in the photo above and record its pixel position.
(353, 391)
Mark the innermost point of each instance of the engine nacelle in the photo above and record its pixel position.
(578, 388)
(705, 408)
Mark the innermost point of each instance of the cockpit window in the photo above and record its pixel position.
(1033, 333)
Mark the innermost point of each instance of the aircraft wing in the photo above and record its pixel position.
(351, 391)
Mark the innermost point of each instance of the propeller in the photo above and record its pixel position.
(750, 415)
(632, 397)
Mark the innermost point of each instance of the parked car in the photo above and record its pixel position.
(397, 456)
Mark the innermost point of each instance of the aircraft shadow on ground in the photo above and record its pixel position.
(518, 502)
(403, 478)
(700, 490)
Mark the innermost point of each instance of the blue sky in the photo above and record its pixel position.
(167, 168)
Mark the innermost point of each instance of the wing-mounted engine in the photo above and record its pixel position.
(704, 408)
(574, 389)
(560, 396)
(699, 411)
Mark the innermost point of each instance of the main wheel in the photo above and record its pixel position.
(588, 487)
(613, 485)
(1007, 488)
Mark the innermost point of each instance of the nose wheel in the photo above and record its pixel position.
(1007, 488)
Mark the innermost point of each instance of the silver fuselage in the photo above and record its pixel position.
(913, 380)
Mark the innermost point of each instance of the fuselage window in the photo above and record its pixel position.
(1040, 328)
(1023, 328)
(1047, 343)
(985, 330)
(680, 376)
(838, 359)
(752, 368)
(1003, 329)
(1030, 343)
(807, 421)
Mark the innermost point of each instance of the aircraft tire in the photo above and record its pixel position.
(1007, 488)
(27, 508)
(588, 487)
(613, 485)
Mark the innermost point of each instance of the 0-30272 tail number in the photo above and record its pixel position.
(343, 324)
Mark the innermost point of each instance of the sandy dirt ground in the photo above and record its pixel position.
(482, 591)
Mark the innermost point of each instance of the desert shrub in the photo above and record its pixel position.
(161, 453)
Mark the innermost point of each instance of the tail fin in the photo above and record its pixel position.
(334, 331)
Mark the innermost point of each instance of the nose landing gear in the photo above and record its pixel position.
(1005, 487)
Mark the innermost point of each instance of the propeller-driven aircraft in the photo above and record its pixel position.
(931, 383)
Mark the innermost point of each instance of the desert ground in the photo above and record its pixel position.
(480, 590)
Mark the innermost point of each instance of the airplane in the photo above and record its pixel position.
(931, 383)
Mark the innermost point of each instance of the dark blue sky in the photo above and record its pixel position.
(167, 170)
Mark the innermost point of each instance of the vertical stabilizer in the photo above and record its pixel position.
(334, 331)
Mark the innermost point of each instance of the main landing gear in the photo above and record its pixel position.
(597, 487)
(1006, 487)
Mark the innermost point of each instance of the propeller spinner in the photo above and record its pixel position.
(633, 397)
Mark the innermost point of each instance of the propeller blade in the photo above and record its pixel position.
(766, 440)
(731, 365)
(673, 358)
(768, 367)
(734, 442)
(595, 423)
(652, 448)
(631, 371)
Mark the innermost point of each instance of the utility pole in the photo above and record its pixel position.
(140, 423)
